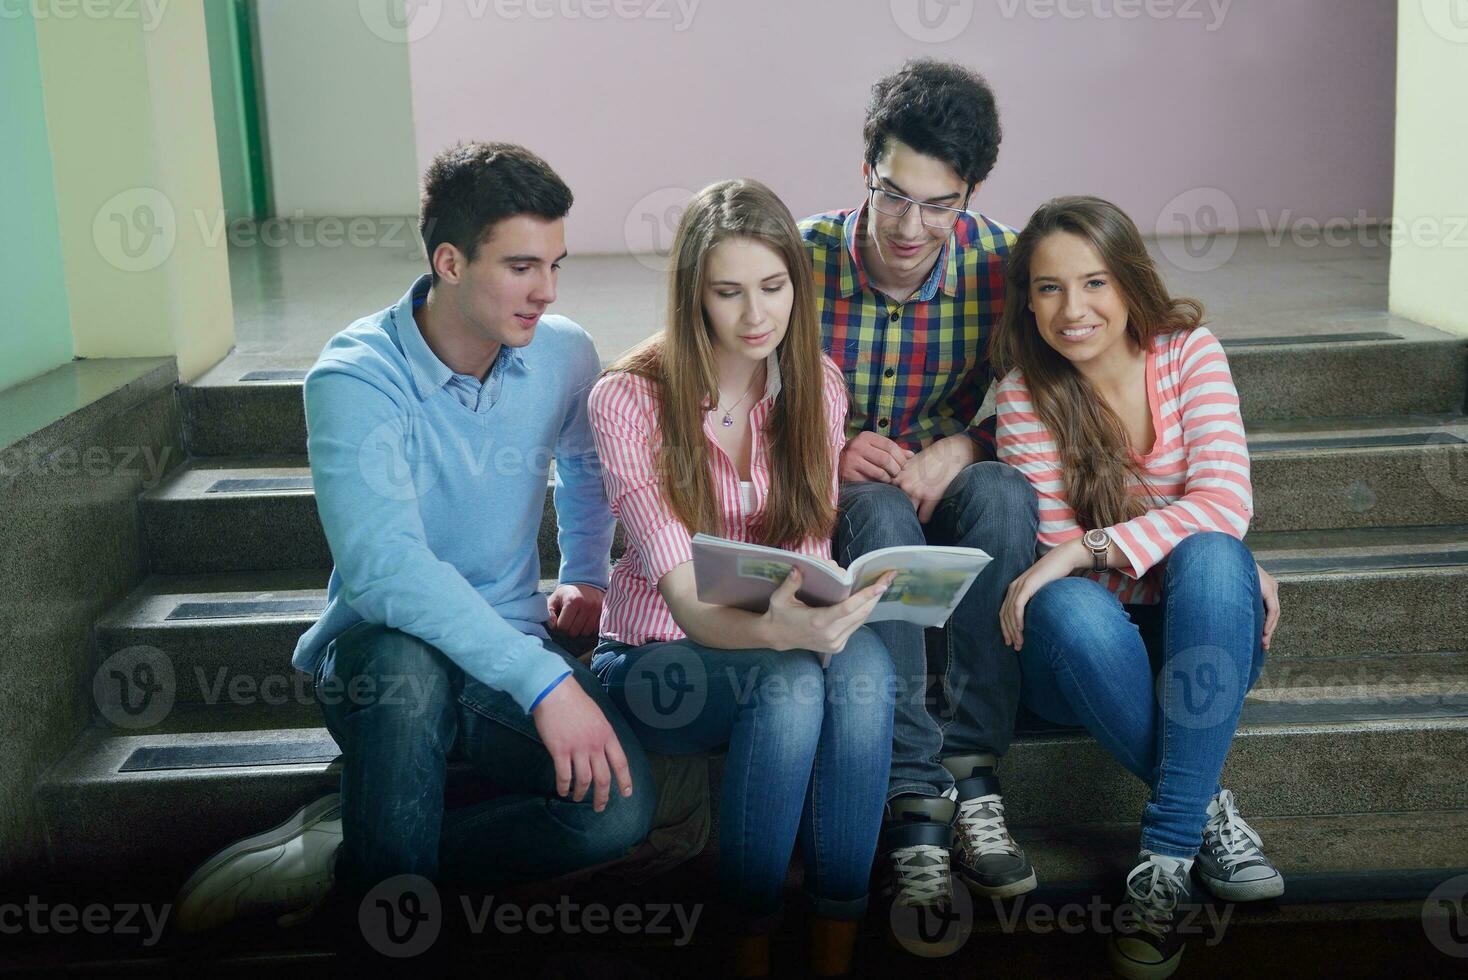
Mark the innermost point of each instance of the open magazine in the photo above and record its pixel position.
(929, 584)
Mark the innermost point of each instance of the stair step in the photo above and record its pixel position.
(102, 818)
(1365, 473)
(248, 405)
(1354, 607)
(227, 638)
(1390, 472)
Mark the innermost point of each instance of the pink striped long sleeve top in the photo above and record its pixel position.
(623, 409)
(1198, 467)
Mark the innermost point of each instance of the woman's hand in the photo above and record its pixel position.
(822, 629)
(1058, 562)
(1269, 590)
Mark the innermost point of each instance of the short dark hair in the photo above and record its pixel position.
(940, 109)
(471, 186)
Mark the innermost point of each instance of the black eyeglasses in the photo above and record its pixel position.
(896, 205)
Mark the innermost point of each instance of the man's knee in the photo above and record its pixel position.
(380, 666)
(876, 515)
(999, 493)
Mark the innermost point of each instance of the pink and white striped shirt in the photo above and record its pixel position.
(1199, 465)
(623, 408)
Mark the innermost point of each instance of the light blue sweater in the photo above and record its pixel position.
(431, 498)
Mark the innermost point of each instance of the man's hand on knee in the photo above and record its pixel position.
(926, 476)
(582, 745)
(872, 458)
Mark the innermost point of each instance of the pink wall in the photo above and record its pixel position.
(1284, 105)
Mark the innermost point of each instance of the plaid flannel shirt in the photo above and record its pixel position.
(919, 370)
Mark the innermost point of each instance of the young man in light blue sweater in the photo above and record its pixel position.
(431, 429)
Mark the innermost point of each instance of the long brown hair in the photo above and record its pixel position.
(680, 360)
(1089, 435)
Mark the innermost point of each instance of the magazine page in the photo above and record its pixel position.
(744, 576)
(930, 581)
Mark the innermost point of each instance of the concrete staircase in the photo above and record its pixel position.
(1349, 758)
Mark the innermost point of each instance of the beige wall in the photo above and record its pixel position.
(131, 127)
(1429, 279)
(338, 108)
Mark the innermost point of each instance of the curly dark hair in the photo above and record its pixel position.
(471, 186)
(940, 109)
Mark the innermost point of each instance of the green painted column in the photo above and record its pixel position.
(1429, 276)
(37, 335)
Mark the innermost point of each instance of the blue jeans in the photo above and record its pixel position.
(990, 506)
(808, 751)
(401, 710)
(1160, 687)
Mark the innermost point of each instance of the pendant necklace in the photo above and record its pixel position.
(728, 420)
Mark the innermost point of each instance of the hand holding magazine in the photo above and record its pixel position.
(929, 584)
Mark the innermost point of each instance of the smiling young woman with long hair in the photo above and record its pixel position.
(1146, 619)
(730, 422)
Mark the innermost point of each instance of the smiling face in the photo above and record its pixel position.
(1078, 309)
(747, 297)
(502, 293)
(904, 248)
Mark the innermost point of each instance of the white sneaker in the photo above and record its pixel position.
(285, 871)
(1231, 863)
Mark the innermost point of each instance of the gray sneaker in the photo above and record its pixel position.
(1147, 944)
(286, 872)
(1231, 863)
(985, 857)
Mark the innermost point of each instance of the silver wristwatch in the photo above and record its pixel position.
(1100, 543)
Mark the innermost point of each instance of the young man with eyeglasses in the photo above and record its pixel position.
(910, 284)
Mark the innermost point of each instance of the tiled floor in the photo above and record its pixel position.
(290, 299)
